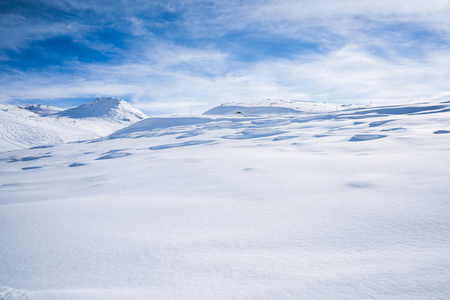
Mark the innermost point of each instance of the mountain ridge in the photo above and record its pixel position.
(110, 108)
(276, 106)
(36, 124)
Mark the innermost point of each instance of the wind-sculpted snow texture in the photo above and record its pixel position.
(350, 204)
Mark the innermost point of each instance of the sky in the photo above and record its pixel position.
(186, 56)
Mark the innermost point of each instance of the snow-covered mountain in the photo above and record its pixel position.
(107, 108)
(35, 125)
(349, 204)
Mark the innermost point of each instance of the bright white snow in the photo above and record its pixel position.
(270, 107)
(36, 125)
(352, 204)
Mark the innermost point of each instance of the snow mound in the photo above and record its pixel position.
(159, 123)
(271, 107)
(110, 108)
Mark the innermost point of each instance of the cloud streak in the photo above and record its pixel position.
(190, 55)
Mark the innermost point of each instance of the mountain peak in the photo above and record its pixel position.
(112, 100)
(111, 108)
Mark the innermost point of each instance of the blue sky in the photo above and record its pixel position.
(188, 55)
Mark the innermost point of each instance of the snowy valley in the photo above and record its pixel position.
(285, 199)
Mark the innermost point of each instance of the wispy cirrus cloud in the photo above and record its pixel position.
(190, 55)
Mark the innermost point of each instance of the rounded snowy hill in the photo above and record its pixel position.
(37, 125)
(272, 107)
(112, 109)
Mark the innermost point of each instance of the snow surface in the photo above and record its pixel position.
(270, 107)
(108, 108)
(301, 206)
(34, 125)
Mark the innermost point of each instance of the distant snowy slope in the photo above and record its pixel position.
(112, 109)
(34, 125)
(21, 128)
(278, 114)
(268, 107)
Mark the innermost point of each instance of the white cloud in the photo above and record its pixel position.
(17, 31)
(348, 75)
(162, 76)
(317, 19)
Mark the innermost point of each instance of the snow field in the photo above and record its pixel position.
(185, 211)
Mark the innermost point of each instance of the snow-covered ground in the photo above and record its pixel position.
(348, 204)
(35, 125)
(269, 106)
